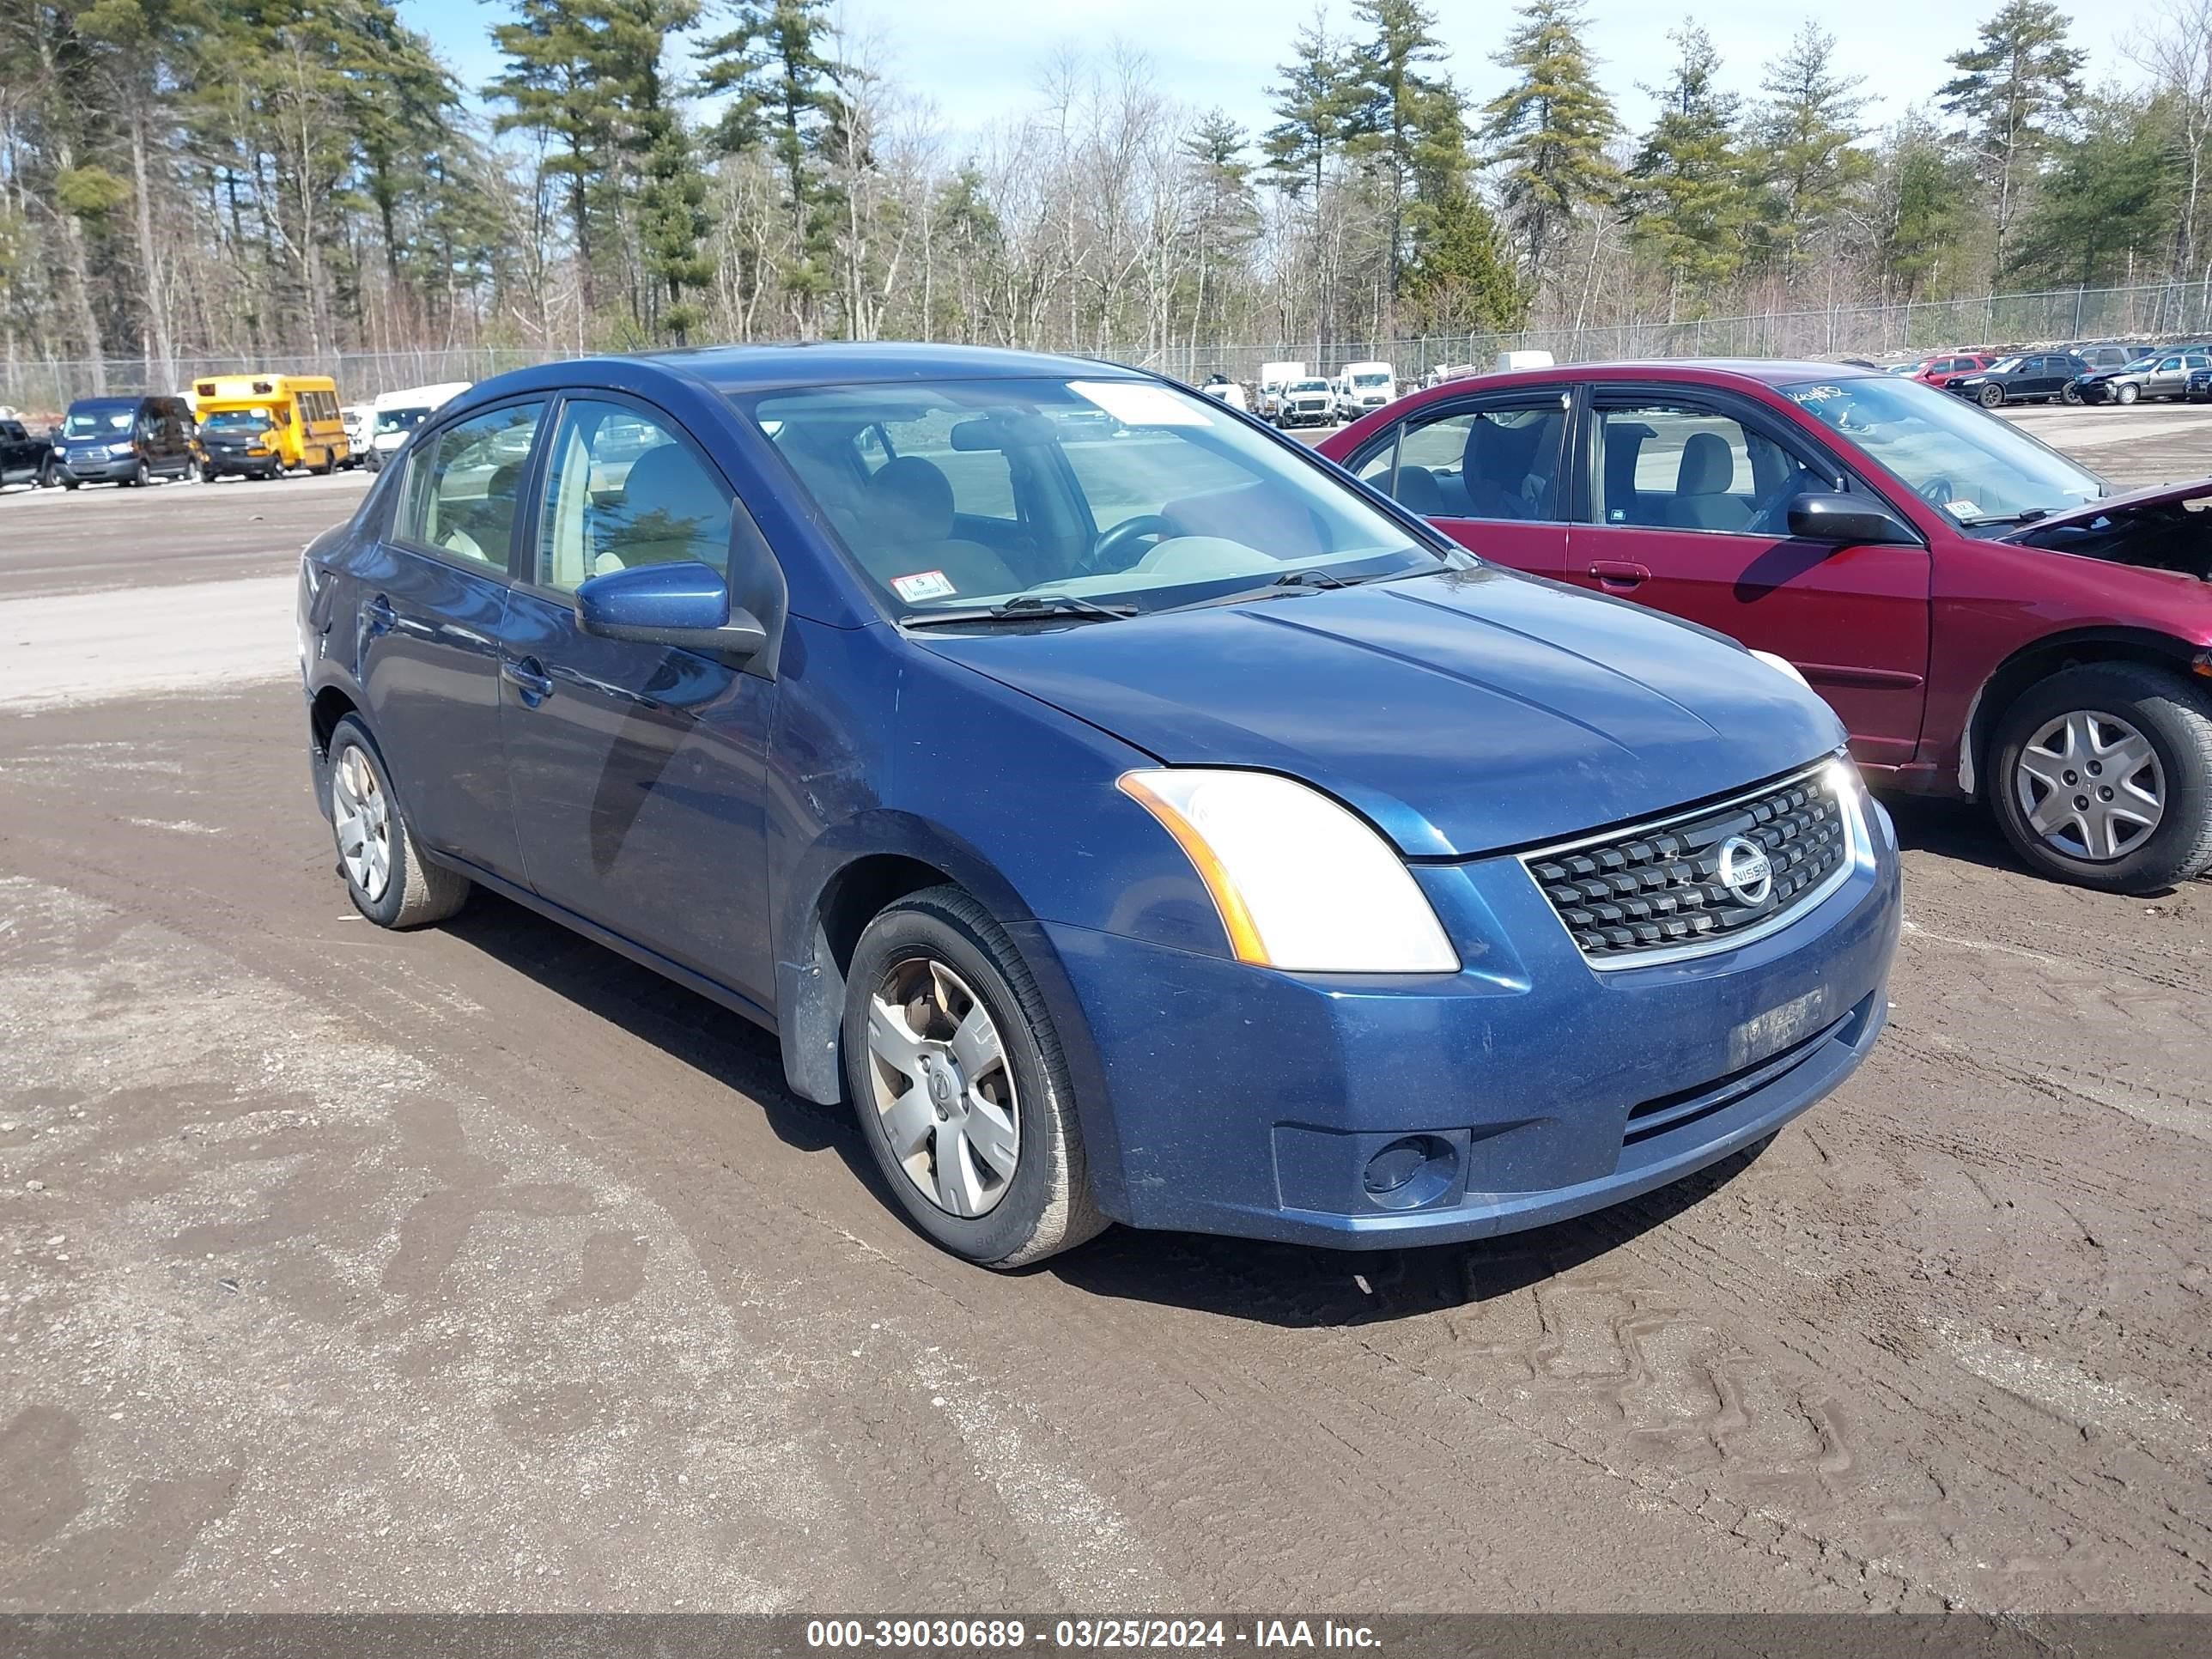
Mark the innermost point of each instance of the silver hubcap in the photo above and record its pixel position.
(2090, 786)
(943, 1087)
(362, 814)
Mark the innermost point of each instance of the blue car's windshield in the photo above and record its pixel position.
(1977, 468)
(1126, 492)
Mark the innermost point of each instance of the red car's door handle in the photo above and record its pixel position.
(1613, 573)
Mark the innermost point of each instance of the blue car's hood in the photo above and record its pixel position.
(1462, 712)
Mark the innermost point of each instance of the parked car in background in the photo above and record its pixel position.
(359, 421)
(2035, 377)
(1945, 365)
(2107, 356)
(1364, 387)
(1990, 620)
(2200, 384)
(1306, 403)
(126, 440)
(398, 413)
(1274, 380)
(1225, 390)
(2161, 374)
(24, 459)
(1170, 833)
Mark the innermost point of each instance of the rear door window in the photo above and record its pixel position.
(463, 485)
(1498, 460)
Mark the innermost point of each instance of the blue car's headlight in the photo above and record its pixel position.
(1301, 883)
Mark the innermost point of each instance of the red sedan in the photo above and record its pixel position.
(1989, 619)
(1951, 365)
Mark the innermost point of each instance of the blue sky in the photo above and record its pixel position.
(977, 60)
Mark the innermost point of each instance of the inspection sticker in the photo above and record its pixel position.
(923, 584)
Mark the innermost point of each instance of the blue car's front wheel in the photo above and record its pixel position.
(957, 1079)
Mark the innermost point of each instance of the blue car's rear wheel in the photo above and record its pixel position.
(389, 879)
(956, 1077)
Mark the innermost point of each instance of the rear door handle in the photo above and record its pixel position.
(529, 677)
(1613, 573)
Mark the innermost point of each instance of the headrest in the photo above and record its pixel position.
(1708, 465)
(910, 498)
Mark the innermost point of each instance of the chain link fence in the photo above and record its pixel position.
(2147, 313)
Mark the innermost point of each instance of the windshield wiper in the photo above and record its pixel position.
(1292, 584)
(1029, 607)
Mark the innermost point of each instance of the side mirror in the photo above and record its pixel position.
(1831, 516)
(683, 604)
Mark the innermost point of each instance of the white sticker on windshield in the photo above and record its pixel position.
(923, 584)
(1964, 509)
(1133, 403)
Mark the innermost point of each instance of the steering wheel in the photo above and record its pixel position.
(1116, 550)
(1939, 492)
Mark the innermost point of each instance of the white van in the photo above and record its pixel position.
(1362, 387)
(398, 413)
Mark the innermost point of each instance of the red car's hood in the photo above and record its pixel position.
(2106, 506)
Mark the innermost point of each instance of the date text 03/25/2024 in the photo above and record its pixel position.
(1085, 1634)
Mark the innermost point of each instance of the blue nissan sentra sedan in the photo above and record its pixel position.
(1133, 816)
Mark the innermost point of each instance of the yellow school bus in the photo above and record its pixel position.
(264, 425)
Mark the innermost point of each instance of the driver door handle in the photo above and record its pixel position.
(529, 677)
(1613, 573)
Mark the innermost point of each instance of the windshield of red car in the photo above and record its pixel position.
(1975, 468)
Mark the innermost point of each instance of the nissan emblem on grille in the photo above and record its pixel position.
(1700, 879)
(1745, 870)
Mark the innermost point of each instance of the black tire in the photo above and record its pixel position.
(2174, 716)
(48, 477)
(2126, 393)
(2071, 394)
(415, 892)
(141, 475)
(1990, 397)
(1046, 1205)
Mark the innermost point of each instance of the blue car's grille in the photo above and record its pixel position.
(1667, 887)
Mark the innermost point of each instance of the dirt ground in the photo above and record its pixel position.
(476, 1268)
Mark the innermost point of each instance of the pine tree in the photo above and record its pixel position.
(2018, 81)
(671, 191)
(1408, 127)
(2106, 204)
(775, 62)
(1316, 108)
(554, 83)
(1692, 193)
(1551, 126)
(1224, 218)
(1923, 219)
(1807, 133)
(1463, 280)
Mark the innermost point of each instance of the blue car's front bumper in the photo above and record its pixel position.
(1233, 1099)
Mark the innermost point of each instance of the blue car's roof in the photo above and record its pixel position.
(843, 363)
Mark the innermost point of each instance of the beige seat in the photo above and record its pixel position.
(670, 511)
(907, 529)
(1702, 501)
